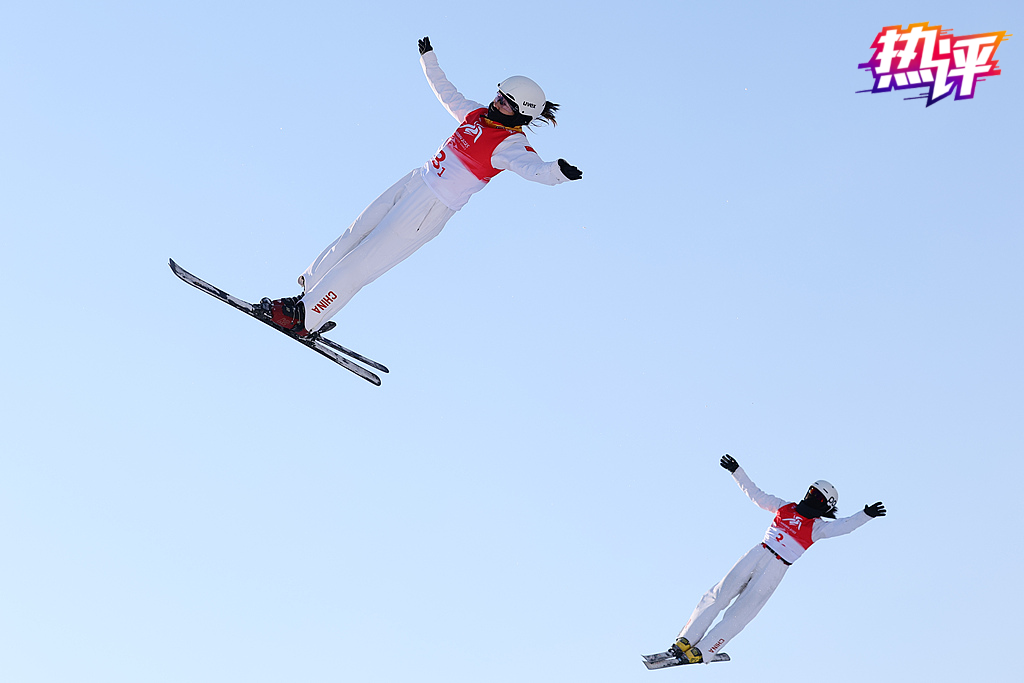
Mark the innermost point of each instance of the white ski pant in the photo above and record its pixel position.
(751, 582)
(388, 231)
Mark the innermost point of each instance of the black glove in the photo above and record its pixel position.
(876, 510)
(424, 44)
(729, 463)
(569, 171)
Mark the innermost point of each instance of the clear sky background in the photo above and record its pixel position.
(758, 261)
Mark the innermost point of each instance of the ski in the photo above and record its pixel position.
(316, 341)
(348, 352)
(663, 660)
(319, 337)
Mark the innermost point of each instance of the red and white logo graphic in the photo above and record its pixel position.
(794, 522)
(472, 129)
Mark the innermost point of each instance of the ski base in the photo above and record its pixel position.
(663, 660)
(316, 341)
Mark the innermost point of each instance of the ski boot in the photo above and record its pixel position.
(287, 313)
(681, 649)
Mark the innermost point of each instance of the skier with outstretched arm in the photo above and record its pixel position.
(757, 574)
(413, 211)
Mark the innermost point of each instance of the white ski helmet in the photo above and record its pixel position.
(827, 497)
(524, 94)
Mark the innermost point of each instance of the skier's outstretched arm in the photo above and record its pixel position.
(826, 529)
(763, 500)
(517, 156)
(457, 105)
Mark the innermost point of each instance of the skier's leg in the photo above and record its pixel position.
(719, 597)
(371, 216)
(767, 576)
(416, 219)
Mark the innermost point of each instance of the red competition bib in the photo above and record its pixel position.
(474, 143)
(790, 533)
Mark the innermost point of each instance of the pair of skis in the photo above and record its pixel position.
(316, 341)
(663, 660)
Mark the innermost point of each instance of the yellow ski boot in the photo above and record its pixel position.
(683, 650)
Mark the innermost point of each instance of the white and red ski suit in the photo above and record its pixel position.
(415, 209)
(758, 573)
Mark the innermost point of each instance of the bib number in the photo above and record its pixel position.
(436, 163)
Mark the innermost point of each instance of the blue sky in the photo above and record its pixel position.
(758, 261)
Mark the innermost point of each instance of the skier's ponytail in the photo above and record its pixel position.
(548, 115)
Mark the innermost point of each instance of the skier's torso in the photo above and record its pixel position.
(789, 534)
(462, 166)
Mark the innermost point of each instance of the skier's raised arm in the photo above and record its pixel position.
(456, 104)
(763, 500)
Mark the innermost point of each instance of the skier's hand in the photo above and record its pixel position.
(729, 463)
(569, 171)
(424, 44)
(876, 510)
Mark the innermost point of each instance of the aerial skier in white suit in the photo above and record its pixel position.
(489, 140)
(757, 574)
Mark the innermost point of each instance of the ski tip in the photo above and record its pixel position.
(178, 270)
